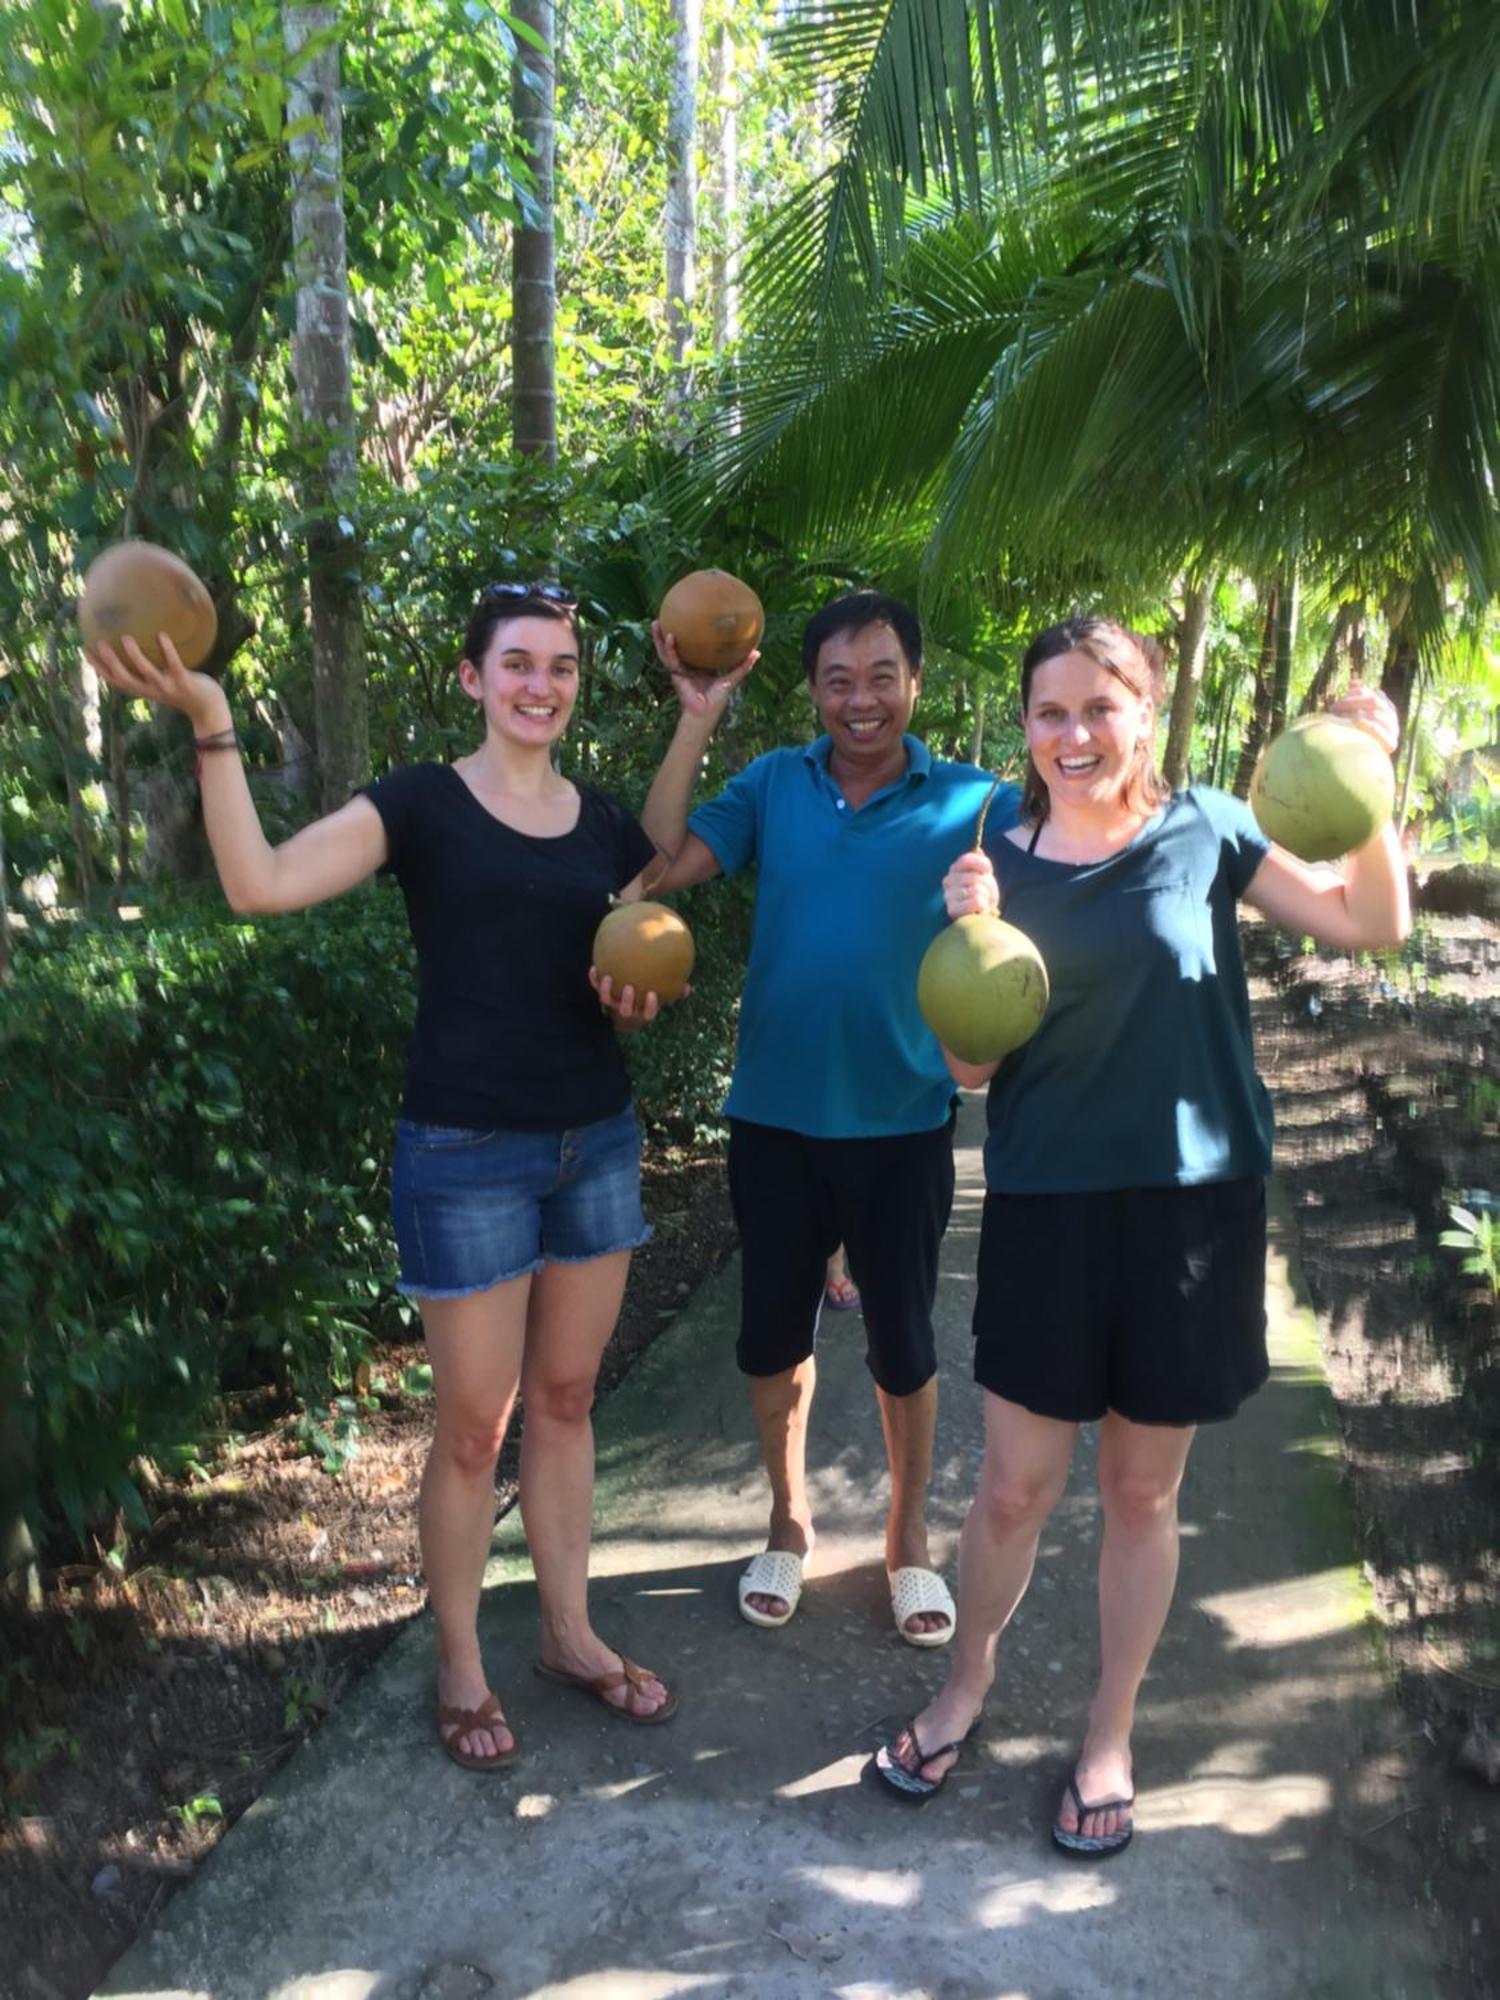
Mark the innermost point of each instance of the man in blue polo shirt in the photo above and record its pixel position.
(840, 1103)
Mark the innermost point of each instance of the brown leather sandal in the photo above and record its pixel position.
(463, 1722)
(601, 1686)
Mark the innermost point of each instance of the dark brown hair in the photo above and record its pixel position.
(1136, 662)
(493, 610)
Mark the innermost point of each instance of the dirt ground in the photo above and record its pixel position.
(151, 1700)
(1386, 1080)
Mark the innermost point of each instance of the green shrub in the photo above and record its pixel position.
(193, 1137)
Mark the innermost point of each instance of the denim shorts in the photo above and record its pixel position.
(473, 1209)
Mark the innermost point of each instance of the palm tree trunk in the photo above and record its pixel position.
(323, 369)
(1192, 651)
(1260, 706)
(726, 194)
(682, 197)
(1349, 618)
(534, 274)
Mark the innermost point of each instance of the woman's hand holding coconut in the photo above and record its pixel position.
(970, 888)
(197, 696)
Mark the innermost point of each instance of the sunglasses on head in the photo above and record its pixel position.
(513, 593)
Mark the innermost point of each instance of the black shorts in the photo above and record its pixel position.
(796, 1199)
(1148, 1301)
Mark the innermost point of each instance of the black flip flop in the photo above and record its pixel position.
(908, 1784)
(1094, 1846)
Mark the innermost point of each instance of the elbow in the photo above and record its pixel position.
(250, 899)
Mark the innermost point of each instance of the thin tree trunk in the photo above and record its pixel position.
(1345, 624)
(119, 779)
(68, 730)
(976, 735)
(1398, 675)
(5, 961)
(726, 194)
(682, 198)
(1413, 722)
(1260, 706)
(1218, 767)
(1288, 600)
(1192, 651)
(322, 365)
(534, 275)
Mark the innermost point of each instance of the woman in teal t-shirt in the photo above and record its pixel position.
(1122, 1257)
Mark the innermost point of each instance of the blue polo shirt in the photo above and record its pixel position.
(847, 900)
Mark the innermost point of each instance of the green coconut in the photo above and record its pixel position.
(1322, 788)
(982, 988)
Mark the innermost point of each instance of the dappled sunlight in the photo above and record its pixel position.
(620, 1788)
(875, 1888)
(1250, 1807)
(354, 1984)
(1292, 1611)
(621, 1983)
(838, 1776)
(1057, 1895)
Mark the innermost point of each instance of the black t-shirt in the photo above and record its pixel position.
(508, 1033)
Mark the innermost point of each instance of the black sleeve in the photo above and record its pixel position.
(393, 797)
(631, 845)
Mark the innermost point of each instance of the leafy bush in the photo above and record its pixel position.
(193, 1138)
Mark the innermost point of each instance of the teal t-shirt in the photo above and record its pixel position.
(1142, 1073)
(847, 900)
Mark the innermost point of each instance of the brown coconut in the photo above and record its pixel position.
(139, 590)
(647, 946)
(715, 619)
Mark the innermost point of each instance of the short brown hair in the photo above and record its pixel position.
(1111, 644)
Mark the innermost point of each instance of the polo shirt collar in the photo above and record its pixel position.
(918, 757)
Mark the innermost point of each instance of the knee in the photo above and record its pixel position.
(1137, 1502)
(1013, 1501)
(471, 1444)
(559, 1400)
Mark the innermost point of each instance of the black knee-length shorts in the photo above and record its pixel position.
(1148, 1301)
(796, 1199)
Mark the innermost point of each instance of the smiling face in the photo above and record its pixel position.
(865, 689)
(528, 681)
(1086, 729)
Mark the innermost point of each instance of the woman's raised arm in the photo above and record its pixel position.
(322, 860)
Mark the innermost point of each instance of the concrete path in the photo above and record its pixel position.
(736, 1851)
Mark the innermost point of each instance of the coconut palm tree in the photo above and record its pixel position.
(1118, 289)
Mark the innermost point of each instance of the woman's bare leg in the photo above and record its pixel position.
(1026, 1459)
(573, 1312)
(1140, 1472)
(475, 1346)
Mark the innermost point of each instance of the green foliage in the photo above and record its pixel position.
(1476, 1236)
(192, 1149)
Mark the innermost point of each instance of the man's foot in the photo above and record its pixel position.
(1095, 1816)
(922, 1606)
(934, 1624)
(470, 1725)
(841, 1295)
(771, 1608)
(634, 1692)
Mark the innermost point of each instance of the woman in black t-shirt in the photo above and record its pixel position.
(516, 1186)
